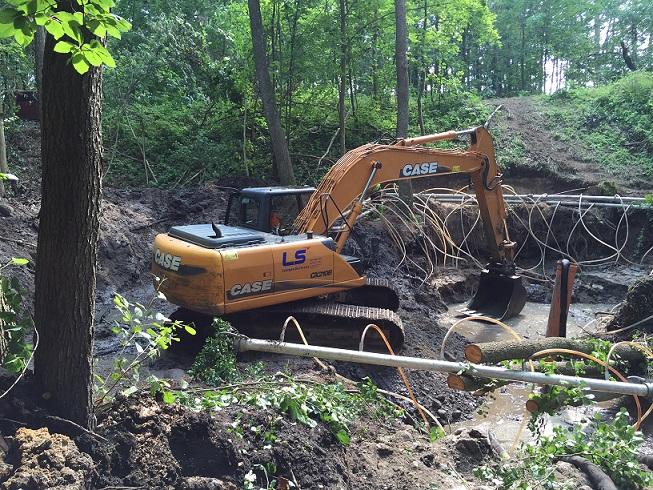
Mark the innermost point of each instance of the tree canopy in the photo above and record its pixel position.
(183, 104)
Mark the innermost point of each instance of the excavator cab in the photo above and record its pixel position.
(267, 209)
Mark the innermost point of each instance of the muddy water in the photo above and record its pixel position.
(504, 412)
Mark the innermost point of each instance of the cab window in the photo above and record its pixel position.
(283, 211)
(249, 211)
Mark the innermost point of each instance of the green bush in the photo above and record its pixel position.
(611, 124)
(165, 141)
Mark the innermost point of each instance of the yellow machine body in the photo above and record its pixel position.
(229, 280)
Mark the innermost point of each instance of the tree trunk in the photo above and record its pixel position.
(401, 49)
(277, 135)
(3, 330)
(4, 168)
(375, 55)
(342, 82)
(493, 352)
(71, 152)
(39, 46)
(291, 67)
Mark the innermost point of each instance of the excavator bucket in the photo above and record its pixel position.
(500, 295)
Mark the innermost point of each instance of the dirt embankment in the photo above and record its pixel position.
(549, 165)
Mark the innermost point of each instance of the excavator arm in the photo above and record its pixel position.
(341, 193)
(345, 186)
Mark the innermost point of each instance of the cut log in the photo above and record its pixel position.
(534, 405)
(494, 352)
(462, 382)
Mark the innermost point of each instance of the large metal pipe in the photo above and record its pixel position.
(644, 389)
(587, 201)
(554, 197)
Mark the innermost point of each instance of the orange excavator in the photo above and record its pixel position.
(283, 254)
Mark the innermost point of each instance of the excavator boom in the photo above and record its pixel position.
(343, 189)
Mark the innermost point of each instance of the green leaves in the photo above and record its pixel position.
(78, 31)
(63, 47)
(19, 261)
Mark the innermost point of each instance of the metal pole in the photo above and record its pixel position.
(246, 344)
(555, 197)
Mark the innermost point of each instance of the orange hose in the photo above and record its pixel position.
(599, 362)
(402, 374)
(417, 405)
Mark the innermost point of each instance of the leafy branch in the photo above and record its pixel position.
(80, 33)
(143, 334)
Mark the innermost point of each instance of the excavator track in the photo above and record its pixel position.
(337, 321)
(325, 323)
(376, 293)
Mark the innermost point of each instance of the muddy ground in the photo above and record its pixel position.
(145, 444)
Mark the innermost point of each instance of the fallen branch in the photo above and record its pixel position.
(534, 405)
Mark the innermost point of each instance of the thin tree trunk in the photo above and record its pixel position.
(401, 50)
(39, 46)
(420, 106)
(342, 87)
(421, 85)
(4, 168)
(522, 54)
(352, 92)
(71, 153)
(375, 67)
(245, 136)
(291, 67)
(277, 135)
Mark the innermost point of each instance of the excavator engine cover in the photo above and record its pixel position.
(500, 295)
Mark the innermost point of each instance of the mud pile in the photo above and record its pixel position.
(637, 307)
(142, 443)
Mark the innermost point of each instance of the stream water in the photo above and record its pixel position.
(504, 412)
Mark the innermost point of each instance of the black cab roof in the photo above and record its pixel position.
(286, 189)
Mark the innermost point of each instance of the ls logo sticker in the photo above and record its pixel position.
(300, 258)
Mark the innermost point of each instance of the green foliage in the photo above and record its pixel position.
(307, 403)
(216, 362)
(77, 32)
(612, 124)
(143, 333)
(15, 322)
(612, 445)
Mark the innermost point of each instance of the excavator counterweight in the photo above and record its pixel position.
(282, 255)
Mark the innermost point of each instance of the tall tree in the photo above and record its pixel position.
(342, 86)
(401, 61)
(277, 135)
(71, 153)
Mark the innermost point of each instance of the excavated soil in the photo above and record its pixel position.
(142, 443)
